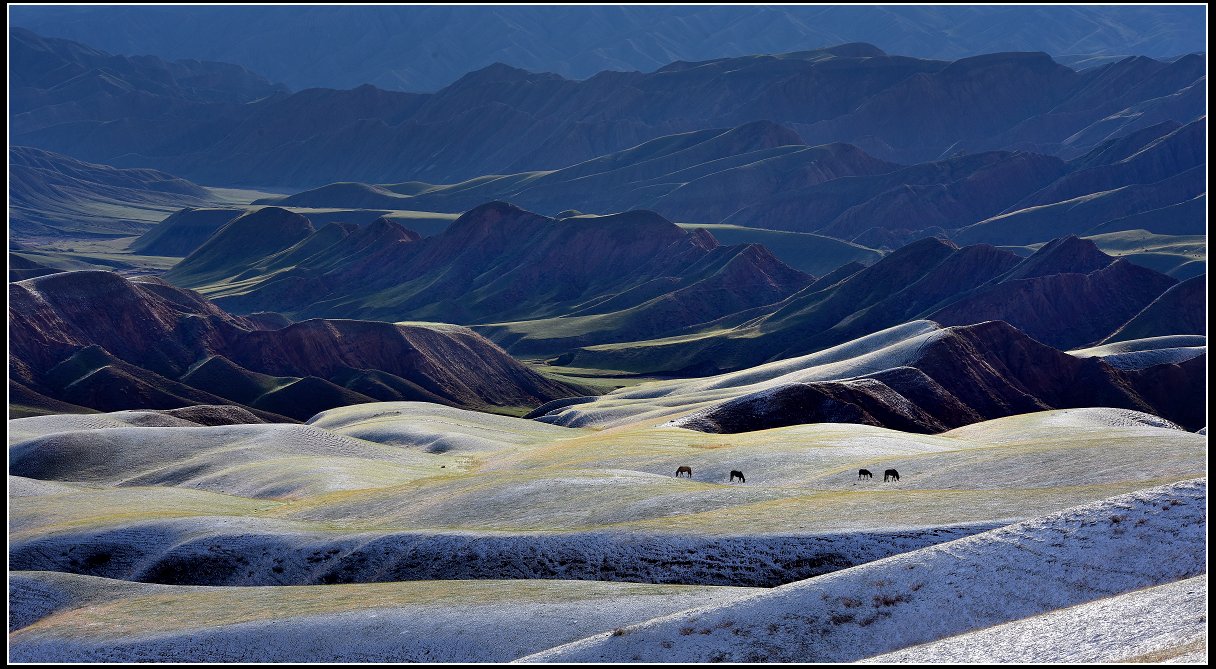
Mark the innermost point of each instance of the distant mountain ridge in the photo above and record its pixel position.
(504, 120)
(425, 48)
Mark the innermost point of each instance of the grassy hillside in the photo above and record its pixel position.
(452, 621)
(448, 469)
(370, 509)
(1153, 535)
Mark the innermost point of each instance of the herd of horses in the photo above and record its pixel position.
(889, 475)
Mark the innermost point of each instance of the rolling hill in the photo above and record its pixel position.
(853, 614)
(803, 516)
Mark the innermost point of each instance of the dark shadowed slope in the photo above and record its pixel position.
(633, 292)
(608, 277)
(53, 195)
(1067, 294)
(1159, 168)
(968, 374)
(1179, 310)
(240, 242)
(20, 267)
(183, 231)
(98, 340)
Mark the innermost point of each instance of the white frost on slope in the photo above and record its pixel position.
(1153, 624)
(1131, 541)
(1137, 354)
(22, 429)
(1146, 344)
(1042, 425)
(436, 621)
(1141, 353)
(261, 460)
(20, 486)
(436, 428)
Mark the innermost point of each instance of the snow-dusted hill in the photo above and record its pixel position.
(1141, 353)
(1162, 623)
(1151, 537)
(100, 620)
(401, 496)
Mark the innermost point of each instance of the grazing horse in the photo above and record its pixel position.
(683, 470)
(890, 474)
(734, 473)
(864, 474)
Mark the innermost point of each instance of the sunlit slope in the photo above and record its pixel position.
(94, 619)
(268, 461)
(435, 428)
(1142, 353)
(1155, 536)
(655, 401)
(811, 253)
(1157, 624)
(504, 474)
(916, 377)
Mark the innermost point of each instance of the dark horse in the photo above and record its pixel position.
(890, 474)
(734, 473)
(683, 470)
(864, 474)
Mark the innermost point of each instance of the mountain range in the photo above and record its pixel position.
(761, 175)
(1068, 294)
(631, 272)
(425, 48)
(527, 333)
(502, 120)
(634, 292)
